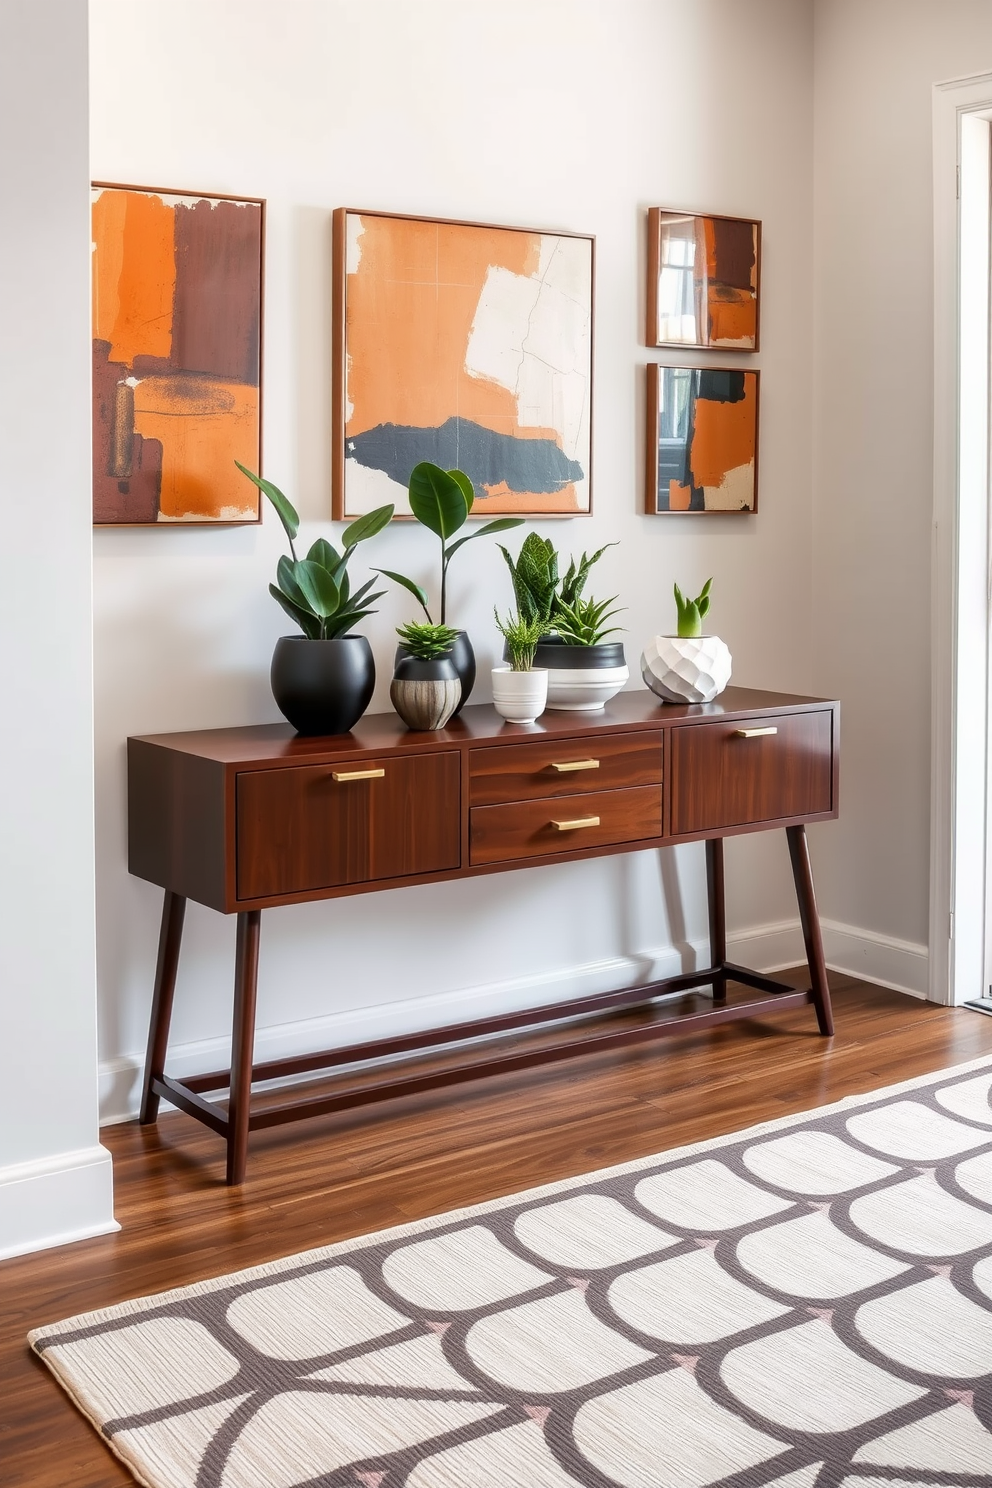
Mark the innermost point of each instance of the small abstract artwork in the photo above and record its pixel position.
(702, 437)
(466, 345)
(177, 321)
(703, 275)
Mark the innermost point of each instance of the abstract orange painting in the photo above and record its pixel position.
(177, 320)
(703, 280)
(702, 428)
(466, 345)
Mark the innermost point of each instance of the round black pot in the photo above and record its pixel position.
(463, 656)
(556, 656)
(322, 687)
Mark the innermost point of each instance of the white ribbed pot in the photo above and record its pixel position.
(683, 670)
(520, 697)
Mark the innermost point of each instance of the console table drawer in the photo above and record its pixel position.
(566, 767)
(530, 829)
(757, 769)
(302, 829)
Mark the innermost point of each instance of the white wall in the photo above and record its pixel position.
(876, 62)
(569, 113)
(55, 1180)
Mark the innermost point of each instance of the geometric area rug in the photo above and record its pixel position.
(804, 1304)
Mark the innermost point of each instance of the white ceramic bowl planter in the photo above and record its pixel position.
(683, 670)
(520, 697)
(582, 679)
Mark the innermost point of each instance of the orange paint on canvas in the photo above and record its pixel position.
(416, 291)
(204, 425)
(723, 437)
(679, 496)
(733, 316)
(523, 501)
(134, 274)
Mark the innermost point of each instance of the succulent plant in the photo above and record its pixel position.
(583, 623)
(535, 577)
(315, 591)
(691, 611)
(427, 641)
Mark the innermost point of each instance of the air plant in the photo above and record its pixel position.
(691, 611)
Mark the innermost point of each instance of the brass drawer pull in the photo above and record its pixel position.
(579, 821)
(566, 765)
(757, 733)
(357, 774)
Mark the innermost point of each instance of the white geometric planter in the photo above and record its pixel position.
(686, 671)
(520, 697)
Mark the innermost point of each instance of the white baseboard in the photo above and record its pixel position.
(56, 1200)
(769, 948)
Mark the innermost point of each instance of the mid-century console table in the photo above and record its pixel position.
(243, 819)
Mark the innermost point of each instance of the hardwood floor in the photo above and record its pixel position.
(377, 1166)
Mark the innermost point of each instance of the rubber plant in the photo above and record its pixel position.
(441, 501)
(692, 611)
(315, 591)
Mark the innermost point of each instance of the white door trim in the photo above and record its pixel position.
(960, 546)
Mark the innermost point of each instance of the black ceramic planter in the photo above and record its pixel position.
(463, 656)
(556, 656)
(322, 687)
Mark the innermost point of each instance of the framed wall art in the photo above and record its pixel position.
(702, 440)
(468, 345)
(703, 280)
(177, 327)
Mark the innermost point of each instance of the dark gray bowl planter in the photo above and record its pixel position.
(555, 655)
(322, 687)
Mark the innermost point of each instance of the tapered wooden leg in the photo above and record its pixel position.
(243, 1042)
(169, 941)
(718, 913)
(803, 875)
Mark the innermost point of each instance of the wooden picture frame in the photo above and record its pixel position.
(702, 440)
(704, 280)
(177, 356)
(467, 344)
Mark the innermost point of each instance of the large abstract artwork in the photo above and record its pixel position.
(466, 345)
(702, 436)
(703, 279)
(177, 304)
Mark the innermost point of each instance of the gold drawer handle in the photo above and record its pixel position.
(566, 765)
(759, 733)
(357, 774)
(573, 826)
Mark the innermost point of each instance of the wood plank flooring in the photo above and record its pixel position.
(335, 1177)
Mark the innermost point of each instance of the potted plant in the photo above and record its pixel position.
(441, 501)
(426, 688)
(688, 667)
(323, 679)
(520, 690)
(585, 669)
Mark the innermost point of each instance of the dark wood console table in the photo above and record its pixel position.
(244, 819)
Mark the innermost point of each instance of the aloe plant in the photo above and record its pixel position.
(583, 623)
(691, 611)
(574, 581)
(427, 641)
(315, 591)
(521, 636)
(441, 500)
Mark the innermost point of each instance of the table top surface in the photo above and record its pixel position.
(478, 723)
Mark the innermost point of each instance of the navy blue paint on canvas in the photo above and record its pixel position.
(528, 466)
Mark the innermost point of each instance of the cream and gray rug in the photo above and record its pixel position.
(806, 1304)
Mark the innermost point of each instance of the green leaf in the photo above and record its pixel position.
(437, 500)
(367, 526)
(323, 553)
(309, 624)
(318, 587)
(342, 622)
(419, 594)
(287, 511)
(702, 605)
(468, 490)
(499, 524)
(286, 576)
